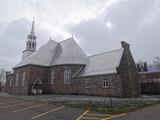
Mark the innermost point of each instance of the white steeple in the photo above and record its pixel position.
(32, 30)
(31, 43)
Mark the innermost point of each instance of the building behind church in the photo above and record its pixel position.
(64, 68)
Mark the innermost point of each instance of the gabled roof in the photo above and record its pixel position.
(104, 63)
(42, 56)
(54, 53)
(69, 52)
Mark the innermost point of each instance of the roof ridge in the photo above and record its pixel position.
(105, 52)
(52, 41)
(65, 40)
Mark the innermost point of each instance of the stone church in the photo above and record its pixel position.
(64, 68)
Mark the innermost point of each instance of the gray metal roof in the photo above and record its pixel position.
(42, 56)
(104, 63)
(69, 52)
(54, 53)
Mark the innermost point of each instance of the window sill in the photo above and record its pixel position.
(105, 87)
(87, 87)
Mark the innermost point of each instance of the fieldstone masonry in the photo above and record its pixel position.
(123, 84)
(35, 71)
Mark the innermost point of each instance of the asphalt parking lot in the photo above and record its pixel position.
(14, 109)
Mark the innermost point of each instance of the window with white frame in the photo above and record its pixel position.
(23, 78)
(87, 83)
(17, 79)
(10, 82)
(67, 75)
(105, 82)
(53, 77)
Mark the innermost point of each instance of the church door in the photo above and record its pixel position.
(37, 87)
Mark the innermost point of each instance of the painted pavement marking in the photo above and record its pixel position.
(82, 115)
(55, 109)
(91, 116)
(23, 109)
(102, 115)
(8, 106)
(114, 116)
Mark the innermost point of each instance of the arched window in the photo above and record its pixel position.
(29, 45)
(33, 45)
(23, 78)
(53, 77)
(67, 75)
(17, 79)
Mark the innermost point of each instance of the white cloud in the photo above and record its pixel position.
(98, 25)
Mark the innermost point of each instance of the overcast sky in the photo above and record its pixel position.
(97, 25)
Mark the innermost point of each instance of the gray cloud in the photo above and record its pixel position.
(91, 34)
(135, 21)
(13, 38)
(127, 20)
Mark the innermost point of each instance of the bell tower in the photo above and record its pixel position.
(30, 44)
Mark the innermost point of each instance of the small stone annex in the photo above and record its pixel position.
(63, 68)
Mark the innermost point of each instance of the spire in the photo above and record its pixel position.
(31, 43)
(32, 29)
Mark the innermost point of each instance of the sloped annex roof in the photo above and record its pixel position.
(102, 63)
(56, 53)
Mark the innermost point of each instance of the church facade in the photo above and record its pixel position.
(63, 68)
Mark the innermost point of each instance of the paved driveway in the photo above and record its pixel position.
(148, 113)
(14, 109)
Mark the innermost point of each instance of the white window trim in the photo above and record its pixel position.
(10, 82)
(53, 77)
(67, 75)
(17, 79)
(105, 83)
(87, 82)
(23, 78)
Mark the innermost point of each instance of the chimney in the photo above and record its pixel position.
(125, 45)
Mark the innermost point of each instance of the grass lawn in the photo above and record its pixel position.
(102, 105)
(116, 107)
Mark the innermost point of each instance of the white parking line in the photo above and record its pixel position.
(114, 116)
(82, 115)
(54, 109)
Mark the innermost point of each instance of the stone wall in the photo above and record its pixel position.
(32, 73)
(123, 84)
(96, 87)
(19, 89)
(128, 73)
(59, 87)
(37, 73)
(42, 74)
